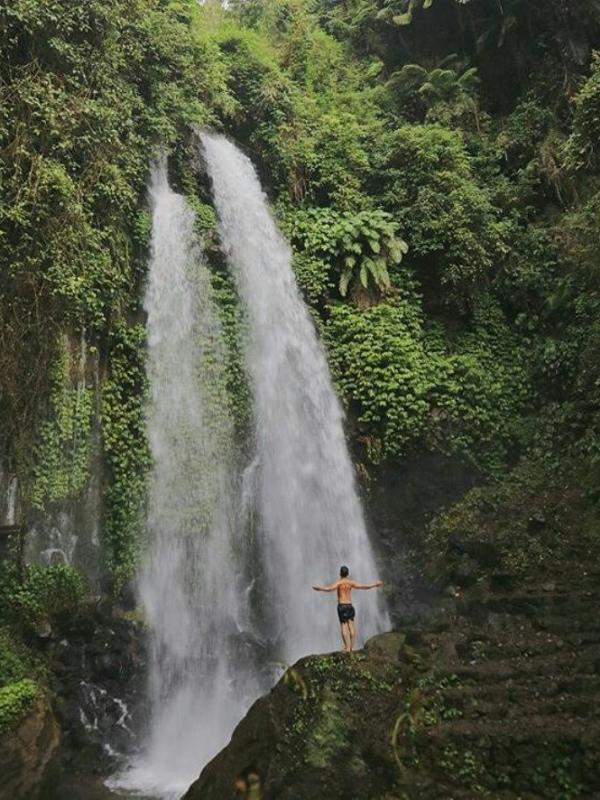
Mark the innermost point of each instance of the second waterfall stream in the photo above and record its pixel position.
(311, 518)
(233, 548)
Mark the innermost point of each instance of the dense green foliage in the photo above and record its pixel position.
(361, 249)
(467, 355)
(12, 666)
(30, 603)
(127, 457)
(15, 698)
(442, 208)
(61, 468)
(33, 599)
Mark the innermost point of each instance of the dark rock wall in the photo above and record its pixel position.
(402, 500)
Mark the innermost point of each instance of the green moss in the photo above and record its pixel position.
(38, 595)
(538, 516)
(329, 732)
(12, 663)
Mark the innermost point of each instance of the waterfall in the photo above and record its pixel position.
(219, 601)
(311, 518)
(202, 674)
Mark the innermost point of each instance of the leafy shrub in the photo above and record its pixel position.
(359, 249)
(583, 142)
(448, 219)
(40, 595)
(302, 107)
(409, 385)
(523, 131)
(12, 665)
(17, 689)
(15, 699)
(447, 96)
(382, 368)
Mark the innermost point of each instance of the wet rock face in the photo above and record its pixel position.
(97, 665)
(402, 500)
(29, 754)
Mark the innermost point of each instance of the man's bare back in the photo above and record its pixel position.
(344, 587)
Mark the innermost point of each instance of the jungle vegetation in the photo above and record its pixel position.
(434, 163)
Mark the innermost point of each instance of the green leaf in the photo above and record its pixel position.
(402, 19)
(344, 282)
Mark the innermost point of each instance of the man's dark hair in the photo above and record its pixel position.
(344, 572)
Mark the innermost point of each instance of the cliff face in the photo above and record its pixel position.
(28, 754)
(322, 731)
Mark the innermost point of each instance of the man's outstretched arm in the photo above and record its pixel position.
(357, 585)
(330, 588)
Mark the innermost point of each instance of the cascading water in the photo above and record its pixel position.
(311, 518)
(202, 678)
(205, 577)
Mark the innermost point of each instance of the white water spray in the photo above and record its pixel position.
(192, 587)
(311, 518)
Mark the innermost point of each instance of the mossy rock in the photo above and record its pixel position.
(28, 753)
(321, 732)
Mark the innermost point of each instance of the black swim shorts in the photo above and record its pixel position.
(345, 612)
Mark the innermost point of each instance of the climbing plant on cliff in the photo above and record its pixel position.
(128, 461)
(62, 462)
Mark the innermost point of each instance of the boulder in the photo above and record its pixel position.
(28, 754)
(321, 732)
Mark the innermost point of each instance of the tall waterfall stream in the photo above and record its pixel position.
(225, 608)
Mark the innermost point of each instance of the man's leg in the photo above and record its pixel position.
(352, 631)
(345, 637)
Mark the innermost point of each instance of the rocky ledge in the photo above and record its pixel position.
(492, 694)
(495, 696)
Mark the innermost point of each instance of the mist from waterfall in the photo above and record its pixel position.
(311, 519)
(202, 676)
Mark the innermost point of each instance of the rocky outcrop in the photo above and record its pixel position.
(28, 754)
(320, 732)
(494, 696)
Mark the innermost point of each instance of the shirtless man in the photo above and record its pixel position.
(345, 609)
